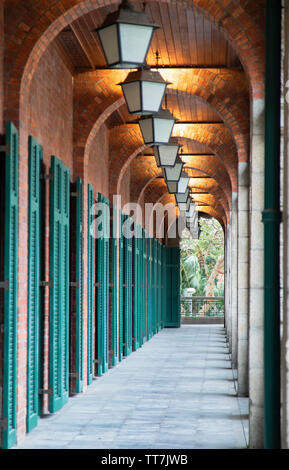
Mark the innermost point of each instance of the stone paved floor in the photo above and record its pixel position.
(176, 392)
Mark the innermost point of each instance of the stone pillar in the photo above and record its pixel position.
(234, 280)
(243, 279)
(256, 279)
(228, 317)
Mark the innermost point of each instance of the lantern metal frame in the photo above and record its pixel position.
(172, 183)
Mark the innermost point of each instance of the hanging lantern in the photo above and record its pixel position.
(191, 211)
(125, 37)
(183, 182)
(157, 128)
(166, 155)
(184, 206)
(144, 90)
(181, 198)
(173, 174)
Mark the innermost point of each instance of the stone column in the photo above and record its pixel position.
(234, 280)
(256, 292)
(243, 279)
(228, 317)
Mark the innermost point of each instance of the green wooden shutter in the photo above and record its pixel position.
(10, 293)
(120, 290)
(103, 289)
(114, 352)
(127, 323)
(90, 288)
(173, 304)
(145, 286)
(136, 287)
(35, 158)
(76, 287)
(59, 293)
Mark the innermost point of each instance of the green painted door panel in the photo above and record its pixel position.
(90, 286)
(114, 341)
(173, 304)
(34, 210)
(76, 287)
(59, 291)
(10, 293)
(103, 285)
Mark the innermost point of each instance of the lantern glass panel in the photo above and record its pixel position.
(182, 197)
(132, 95)
(152, 96)
(183, 184)
(146, 127)
(163, 129)
(134, 42)
(166, 155)
(172, 187)
(109, 41)
(173, 173)
(191, 211)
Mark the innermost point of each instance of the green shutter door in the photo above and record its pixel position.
(136, 287)
(127, 323)
(59, 293)
(145, 284)
(103, 287)
(10, 292)
(35, 159)
(76, 287)
(90, 289)
(120, 287)
(149, 289)
(159, 291)
(173, 305)
(114, 352)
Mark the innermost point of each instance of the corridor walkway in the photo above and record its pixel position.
(177, 391)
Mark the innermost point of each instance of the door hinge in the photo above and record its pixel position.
(45, 391)
(111, 284)
(124, 285)
(97, 284)
(47, 176)
(97, 361)
(4, 285)
(2, 328)
(4, 424)
(46, 284)
(74, 284)
(5, 148)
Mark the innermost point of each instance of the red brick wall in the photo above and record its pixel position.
(98, 168)
(48, 117)
(125, 188)
(51, 107)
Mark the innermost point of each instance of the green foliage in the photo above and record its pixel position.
(200, 257)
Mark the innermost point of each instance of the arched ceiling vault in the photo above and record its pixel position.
(213, 55)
